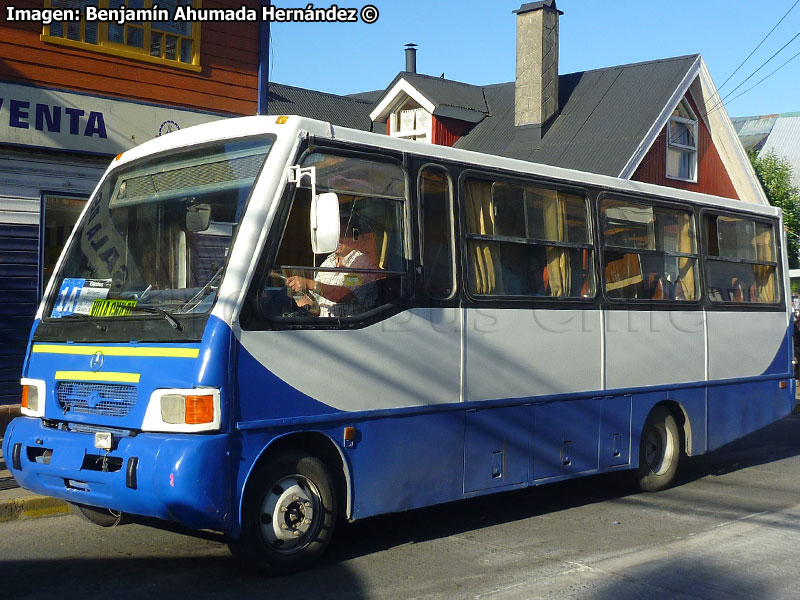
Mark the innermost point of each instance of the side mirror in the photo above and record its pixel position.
(198, 217)
(324, 223)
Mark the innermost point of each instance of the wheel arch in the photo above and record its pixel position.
(313, 443)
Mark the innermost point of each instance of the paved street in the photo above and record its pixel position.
(730, 530)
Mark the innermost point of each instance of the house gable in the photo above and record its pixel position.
(711, 175)
(430, 109)
(723, 156)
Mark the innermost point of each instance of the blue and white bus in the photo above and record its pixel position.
(262, 326)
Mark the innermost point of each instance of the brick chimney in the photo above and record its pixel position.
(536, 88)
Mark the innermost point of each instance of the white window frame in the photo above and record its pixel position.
(691, 150)
(394, 127)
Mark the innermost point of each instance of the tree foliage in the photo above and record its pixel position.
(775, 175)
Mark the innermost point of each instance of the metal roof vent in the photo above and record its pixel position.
(411, 58)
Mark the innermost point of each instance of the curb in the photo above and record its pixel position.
(33, 507)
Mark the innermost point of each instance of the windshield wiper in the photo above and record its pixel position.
(159, 311)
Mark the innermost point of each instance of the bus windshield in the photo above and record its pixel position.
(157, 233)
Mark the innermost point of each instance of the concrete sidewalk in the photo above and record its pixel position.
(16, 503)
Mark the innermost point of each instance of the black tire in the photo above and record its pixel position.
(660, 451)
(103, 517)
(288, 515)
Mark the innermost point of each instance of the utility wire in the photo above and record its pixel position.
(766, 77)
(736, 70)
(764, 64)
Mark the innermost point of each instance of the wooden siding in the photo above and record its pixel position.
(228, 82)
(446, 131)
(712, 177)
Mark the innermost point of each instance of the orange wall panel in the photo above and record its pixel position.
(446, 131)
(228, 82)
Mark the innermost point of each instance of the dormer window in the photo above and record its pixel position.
(411, 122)
(682, 143)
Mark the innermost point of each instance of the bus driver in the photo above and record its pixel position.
(342, 293)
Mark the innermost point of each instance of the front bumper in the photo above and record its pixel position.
(184, 478)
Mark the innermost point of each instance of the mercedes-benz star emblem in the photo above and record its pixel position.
(97, 361)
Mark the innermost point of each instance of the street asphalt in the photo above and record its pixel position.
(728, 530)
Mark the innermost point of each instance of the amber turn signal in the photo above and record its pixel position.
(199, 409)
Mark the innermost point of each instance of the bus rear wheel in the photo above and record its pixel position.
(288, 515)
(660, 451)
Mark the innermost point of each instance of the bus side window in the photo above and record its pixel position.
(527, 241)
(650, 252)
(741, 261)
(436, 232)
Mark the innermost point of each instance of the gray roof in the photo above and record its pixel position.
(784, 140)
(444, 92)
(753, 131)
(605, 114)
(778, 133)
(339, 110)
(370, 97)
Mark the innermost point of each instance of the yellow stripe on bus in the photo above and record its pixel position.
(99, 376)
(117, 351)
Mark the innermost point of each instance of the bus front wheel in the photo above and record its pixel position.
(102, 517)
(288, 515)
(659, 451)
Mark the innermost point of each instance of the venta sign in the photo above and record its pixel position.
(45, 118)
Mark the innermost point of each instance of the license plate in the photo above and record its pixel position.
(102, 440)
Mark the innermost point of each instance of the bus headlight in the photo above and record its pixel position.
(186, 410)
(32, 397)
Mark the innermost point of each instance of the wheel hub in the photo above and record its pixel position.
(288, 513)
(658, 446)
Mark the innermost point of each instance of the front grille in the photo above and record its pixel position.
(105, 399)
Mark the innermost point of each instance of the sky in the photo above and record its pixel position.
(474, 41)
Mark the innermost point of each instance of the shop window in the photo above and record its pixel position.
(169, 42)
(60, 215)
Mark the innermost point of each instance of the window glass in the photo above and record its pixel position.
(681, 133)
(60, 215)
(736, 238)
(742, 260)
(157, 232)
(357, 176)
(650, 252)
(437, 232)
(368, 268)
(682, 143)
(170, 41)
(527, 241)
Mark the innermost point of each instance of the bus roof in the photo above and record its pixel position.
(294, 125)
